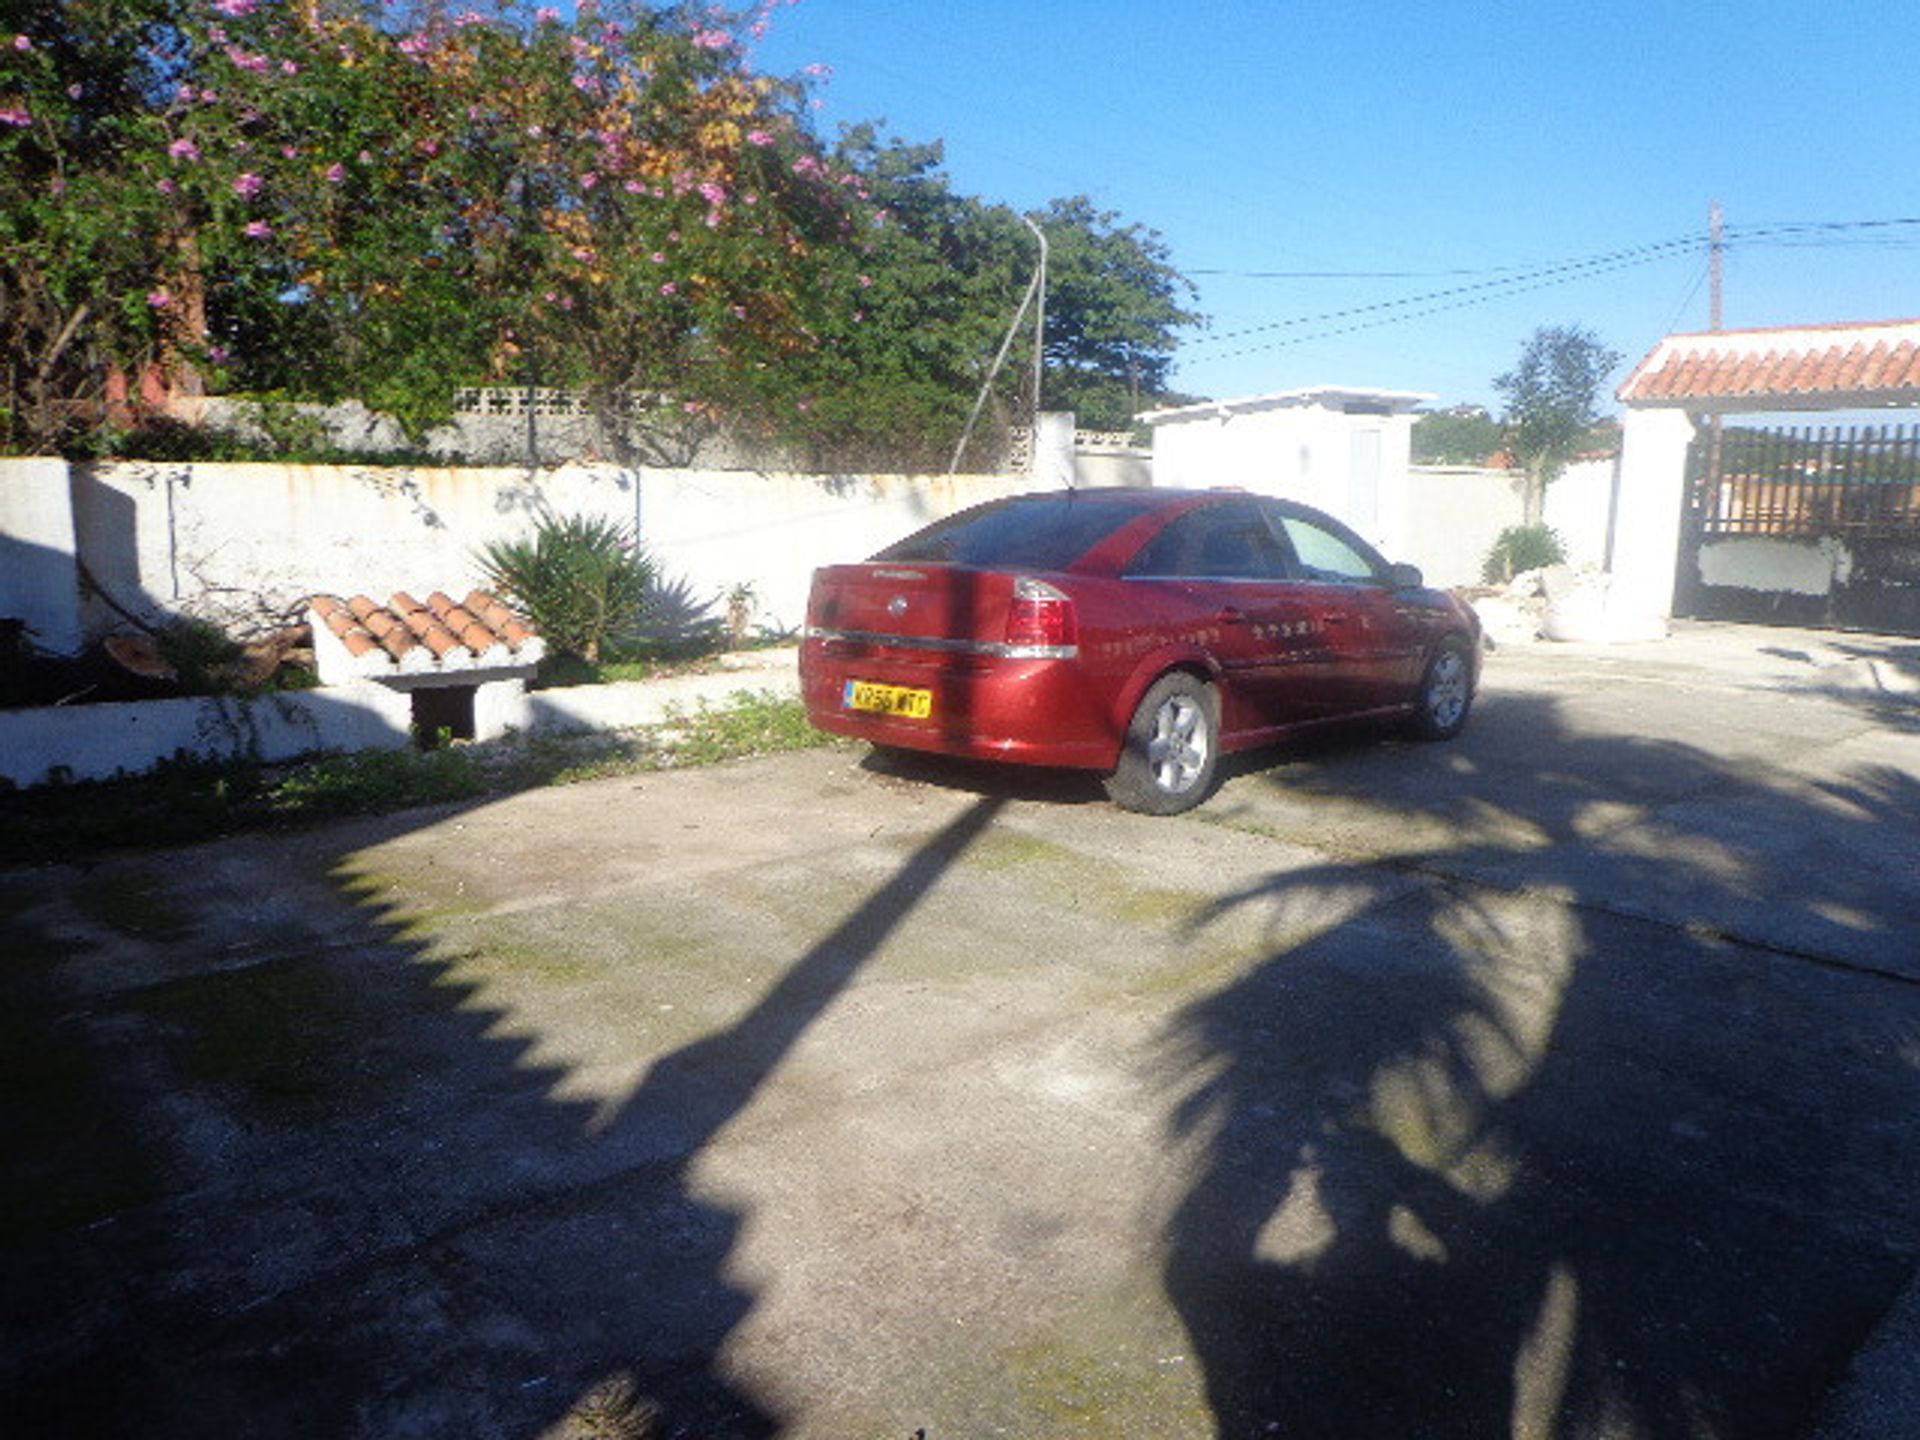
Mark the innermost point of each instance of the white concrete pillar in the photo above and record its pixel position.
(1053, 467)
(1646, 532)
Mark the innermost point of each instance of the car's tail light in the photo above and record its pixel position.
(1041, 617)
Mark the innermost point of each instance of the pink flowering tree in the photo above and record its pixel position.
(324, 198)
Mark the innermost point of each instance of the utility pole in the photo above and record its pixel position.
(1036, 295)
(1716, 249)
(1039, 321)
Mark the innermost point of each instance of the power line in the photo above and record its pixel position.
(1518, 280)
(1486, 290)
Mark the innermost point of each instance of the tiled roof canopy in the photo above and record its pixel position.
(406, 637)
(1798, 368)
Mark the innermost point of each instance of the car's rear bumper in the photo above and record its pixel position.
(983, 706)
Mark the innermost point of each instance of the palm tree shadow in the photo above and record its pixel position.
(1473, 1159)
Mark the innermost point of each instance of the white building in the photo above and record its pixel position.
(1344, 449)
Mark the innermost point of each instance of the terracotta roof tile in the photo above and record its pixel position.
(1848, 364)
(411, 638)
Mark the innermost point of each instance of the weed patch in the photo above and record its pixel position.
(182, 803)
(283, 1034)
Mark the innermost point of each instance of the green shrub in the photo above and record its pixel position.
(1521, 548)
(581, 579)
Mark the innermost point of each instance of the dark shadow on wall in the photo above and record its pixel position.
(386, 1218)
(1484, 1148)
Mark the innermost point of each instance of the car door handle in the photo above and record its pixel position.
(1230, 615)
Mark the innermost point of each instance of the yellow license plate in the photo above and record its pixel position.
(888, 699)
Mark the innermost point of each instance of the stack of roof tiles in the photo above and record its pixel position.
(1877, 363)
(408, 637)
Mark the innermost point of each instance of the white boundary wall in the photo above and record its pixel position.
(1453, 515)
(233, 541)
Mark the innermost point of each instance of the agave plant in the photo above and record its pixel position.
(580, 578)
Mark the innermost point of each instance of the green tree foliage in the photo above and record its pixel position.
(1114, 305)
(1462, 435)
(385, 199)
(1553, 395)
(327, 197)
(918, 307)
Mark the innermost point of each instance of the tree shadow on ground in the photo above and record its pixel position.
(346, 1197)
(1567, 1118)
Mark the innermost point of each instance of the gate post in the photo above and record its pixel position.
(1653, 480)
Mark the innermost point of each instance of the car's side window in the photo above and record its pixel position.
(1215, 542)
(1325, 556)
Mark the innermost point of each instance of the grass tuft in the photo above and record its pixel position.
(185, 802)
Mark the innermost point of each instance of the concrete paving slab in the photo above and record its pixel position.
(1539, 1084)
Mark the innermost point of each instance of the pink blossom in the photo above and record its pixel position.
(691, 407)
(712, 40)
(865, 280)
(245, 61)
(669, 288)
(713, 192)
(658, 258)
(336, 173)
(57, 184)
(248, 185)
(258, 230)
(184, 149)
(366, 157)
(546, 15)
(739, 312)
(76, 90)
(208, 96)
(219, 354)
(287, 152)
(817, 71)
(287, 67)
(803, 406)
(22, 42)
(712, 220)
(165, 187)
(633, 187)
(16, 116)
(160, 298)
(235, 9)
(760, 138)
(589, 179)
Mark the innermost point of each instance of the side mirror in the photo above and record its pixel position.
(1405, 577)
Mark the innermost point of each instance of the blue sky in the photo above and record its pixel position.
(1434, 146)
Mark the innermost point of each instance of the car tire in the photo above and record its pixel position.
(1445, 697)
(1172, 748)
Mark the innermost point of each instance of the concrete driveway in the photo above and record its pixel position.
(1562, 1081)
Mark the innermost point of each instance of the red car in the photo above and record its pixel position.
(1138, 633)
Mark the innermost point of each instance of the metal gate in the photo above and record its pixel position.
(1803, 526)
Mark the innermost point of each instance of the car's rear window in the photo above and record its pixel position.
(1029, 532)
